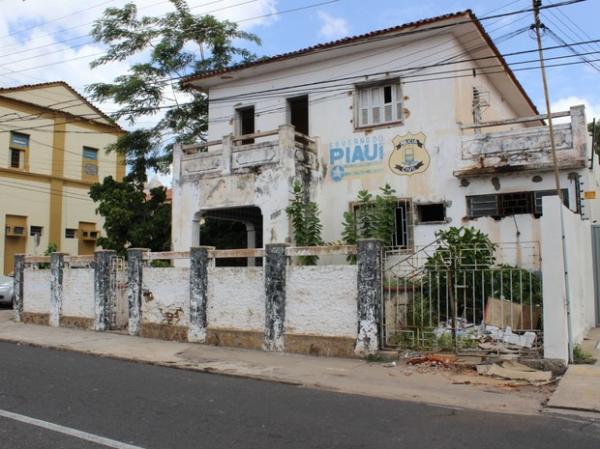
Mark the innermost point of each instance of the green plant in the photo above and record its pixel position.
(582, 358)
(371, 217)
(306, 224)
(52, 248)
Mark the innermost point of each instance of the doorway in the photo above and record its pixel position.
(245, 123)
(298, 113)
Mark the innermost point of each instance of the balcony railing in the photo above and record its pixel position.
(525, 148)
(238, 154)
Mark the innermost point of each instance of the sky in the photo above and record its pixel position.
(43, 40)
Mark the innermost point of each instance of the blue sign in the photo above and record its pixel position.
(360, 155)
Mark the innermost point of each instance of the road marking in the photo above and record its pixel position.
(67, 431)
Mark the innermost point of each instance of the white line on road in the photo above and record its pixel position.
(67, 431)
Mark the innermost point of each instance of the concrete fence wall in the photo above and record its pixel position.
(580, 273)
(323, 310)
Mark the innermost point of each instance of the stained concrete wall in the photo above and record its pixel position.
(321, 301)
(166, 296)
(78, 292)
(36, 291)
(236, 298)
(580, 273)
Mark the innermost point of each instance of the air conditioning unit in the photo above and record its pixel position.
(15, 231)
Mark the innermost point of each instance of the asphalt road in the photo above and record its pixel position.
(155, 407)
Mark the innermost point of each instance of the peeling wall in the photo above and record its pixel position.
(78, 292)
(321, 300)
(36, 291)
(166, 296)
(236, 298)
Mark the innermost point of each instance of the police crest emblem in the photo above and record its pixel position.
(409, 156)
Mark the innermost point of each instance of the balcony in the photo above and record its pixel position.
(243, 154)
(524, 149)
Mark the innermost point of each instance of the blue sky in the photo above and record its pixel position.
(46, 40)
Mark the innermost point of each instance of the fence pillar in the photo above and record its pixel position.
(198, 293)
(103, 289)
(57, 263)
(275, 266)
(18, 285)
(135, 270)
(369, 296)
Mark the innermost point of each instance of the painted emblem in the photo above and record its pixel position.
(409, 156)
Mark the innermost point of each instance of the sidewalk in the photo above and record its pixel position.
(579, 390)
(334, 374)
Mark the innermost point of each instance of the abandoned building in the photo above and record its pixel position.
(461, 143)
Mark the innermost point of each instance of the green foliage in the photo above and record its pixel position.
(373, 217)
(462, 248)
(52, 248)
(580, 357)
(161, 51)
(306, 224)
(132, 219)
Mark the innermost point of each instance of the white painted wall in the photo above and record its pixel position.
(36, 291)
(78, 292)
(236, 298)
(581, 285)
(321, 300)
(166, 290)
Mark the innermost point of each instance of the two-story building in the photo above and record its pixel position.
(52, 144)
(430, 107)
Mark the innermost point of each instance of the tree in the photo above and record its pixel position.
(178, 44)
(306, 223)
(596, 137)
(132, 218)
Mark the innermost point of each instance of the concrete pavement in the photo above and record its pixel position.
(154, 407)
(343, 375)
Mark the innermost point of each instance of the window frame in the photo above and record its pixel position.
(22, 150)
(417, 213)
(534, 203)
(397, 104)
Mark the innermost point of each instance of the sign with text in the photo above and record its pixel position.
(356, 157)
(409, 156)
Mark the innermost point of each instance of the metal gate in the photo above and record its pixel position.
(436, 293)
(118, 307)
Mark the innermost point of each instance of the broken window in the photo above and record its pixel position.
(431, 213)
(506, 204)
(379, 104)
(35, 230)
(245, 123)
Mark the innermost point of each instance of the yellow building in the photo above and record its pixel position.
(52, 144)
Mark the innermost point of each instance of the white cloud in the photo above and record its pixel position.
(333, 27)
(591, 109)
(47, 41)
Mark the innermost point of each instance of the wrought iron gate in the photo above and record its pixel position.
(434, 293)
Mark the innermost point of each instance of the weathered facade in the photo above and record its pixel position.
(51, 151)
(461, 143)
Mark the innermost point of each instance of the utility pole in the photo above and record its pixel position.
(538, 25)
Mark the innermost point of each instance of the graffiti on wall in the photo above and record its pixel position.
(356, 157)
(409, 156)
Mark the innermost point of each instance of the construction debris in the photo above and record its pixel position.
(433, 360)
(514, 371)
(486, 333)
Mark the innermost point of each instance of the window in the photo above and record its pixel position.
(19, 144)
(19, 230)
(379, 104)
(403, 223)
(431, 213)
(35, 230)
(90, 153)
(245, 123)
(70, 233)
(507, 204)
(15, 158)
(90, 163)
